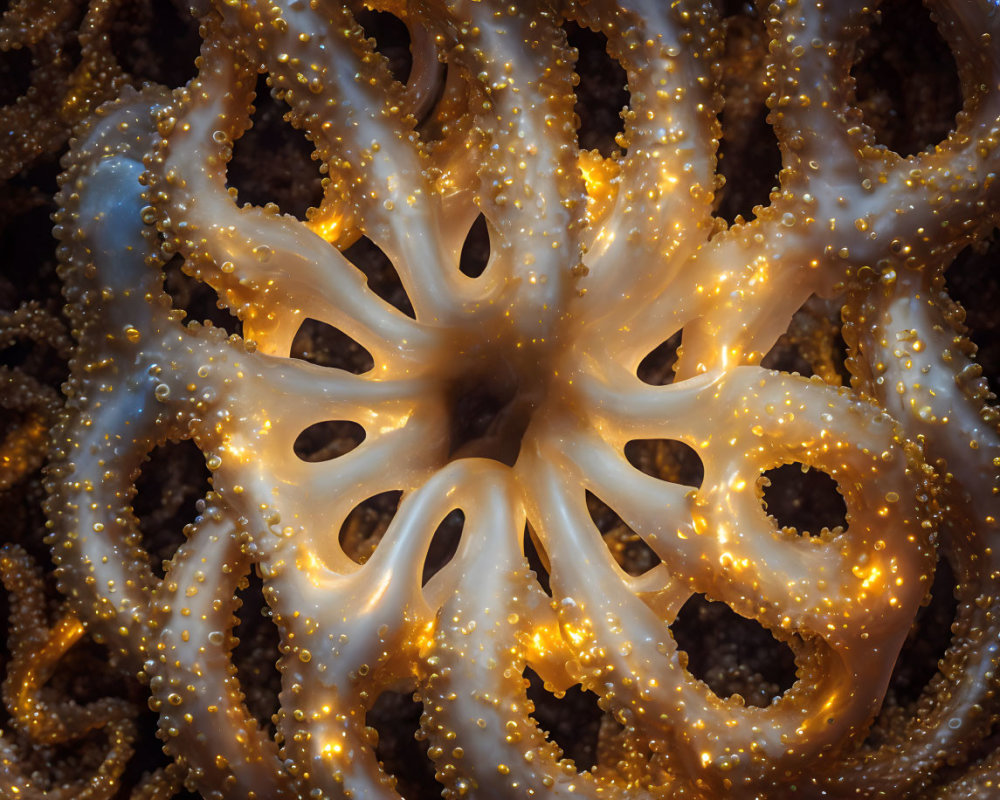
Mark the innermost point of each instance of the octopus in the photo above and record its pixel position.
(495, 418)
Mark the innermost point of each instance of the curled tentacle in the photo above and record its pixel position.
(529, 188)
(104, 163)
(282, 263)
(720, 541)
(911, 356)
(61, 92)
(35, 651)
(670, 134)
(349, 635)
(32, 404)
(203, 719)
(397, 211)
(477, 713)
(867, 205)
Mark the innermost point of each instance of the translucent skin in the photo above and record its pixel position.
(593, 263)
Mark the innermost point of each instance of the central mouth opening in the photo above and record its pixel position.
(490, 408)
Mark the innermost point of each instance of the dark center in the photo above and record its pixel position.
(490, 405)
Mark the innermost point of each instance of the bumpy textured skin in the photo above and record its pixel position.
(63, 89)
(594, 262)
